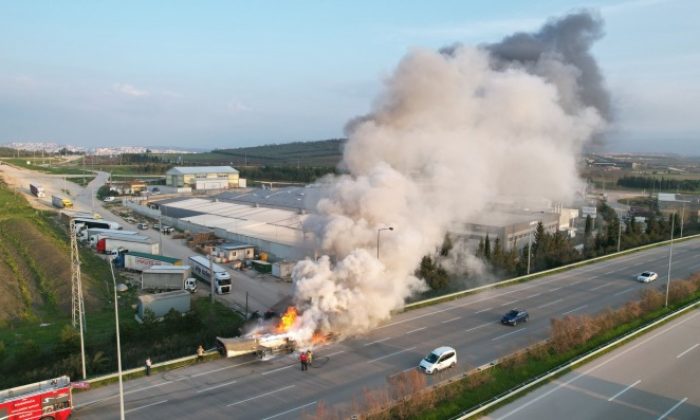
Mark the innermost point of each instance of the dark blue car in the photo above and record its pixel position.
(514, 316)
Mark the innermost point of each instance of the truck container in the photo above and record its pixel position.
(92, 223)
(162, 303)
(262, 266)
(134, 236)
(200, 268)
(85, 234)
(37, 190)
(61, 202)
(139, 261)
(111, 245)
(264, 345)
(49, 399)
(168, 277)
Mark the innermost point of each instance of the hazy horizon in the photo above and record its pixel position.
(219, 75)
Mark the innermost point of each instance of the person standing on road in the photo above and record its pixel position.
(304, 360)
(200, 353)
(148, 366)
(309, 357)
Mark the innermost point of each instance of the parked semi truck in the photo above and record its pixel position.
(167, 278)
(91, 223)
(85, 234)
(200, 268)
(133, 236)
(112, 245)
(61, 202)
(37, 190)
(140, 261)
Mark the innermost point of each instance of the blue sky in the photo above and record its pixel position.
(227, 74)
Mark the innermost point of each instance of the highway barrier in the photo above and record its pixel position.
(528, 277)
(566, 367)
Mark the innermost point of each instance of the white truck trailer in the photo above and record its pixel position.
(140, 261)
(200, 268)
(85, 234)
(112, 245)
(168, 277)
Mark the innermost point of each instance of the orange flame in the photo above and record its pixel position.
(287, 320)
(319, 339)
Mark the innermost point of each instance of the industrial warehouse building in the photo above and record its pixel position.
(513, 229)
(203, 177)
(275, 231)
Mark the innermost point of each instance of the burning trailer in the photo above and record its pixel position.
(262, 346)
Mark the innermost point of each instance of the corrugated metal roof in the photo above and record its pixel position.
(184, 170)
(154, 257)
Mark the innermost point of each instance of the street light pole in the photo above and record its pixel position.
(119, 348)
(682, 216)
(619, 232)
(529, 246)
(670, 259)
(378, 232)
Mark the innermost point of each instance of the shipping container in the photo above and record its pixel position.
(167, 277)
(162, 303)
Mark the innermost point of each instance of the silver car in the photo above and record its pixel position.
(646, 277)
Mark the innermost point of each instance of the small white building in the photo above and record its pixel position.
(233, 251)
(202, 177)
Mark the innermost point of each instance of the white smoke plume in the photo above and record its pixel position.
(452, 130)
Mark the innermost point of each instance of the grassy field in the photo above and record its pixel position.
(36, 340)
(47, 166)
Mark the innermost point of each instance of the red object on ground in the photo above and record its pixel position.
(50, 399)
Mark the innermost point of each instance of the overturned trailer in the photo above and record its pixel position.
(262, 346)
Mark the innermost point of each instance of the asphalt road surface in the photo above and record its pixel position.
(652, 377)
(246, 388)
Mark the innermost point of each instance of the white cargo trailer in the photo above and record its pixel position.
(168, 277)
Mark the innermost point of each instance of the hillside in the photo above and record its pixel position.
(325, 153)
(35, 271)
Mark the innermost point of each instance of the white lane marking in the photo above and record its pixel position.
(575, 309)
(131, 391)
(483, 310)
(507, 334)
(216, 386)
(416, 330)
(220, 369)
(377, 341)
(609, 272)
(261, 395)
(624, 291)
(450, 320)
(670, 410)
(416, 317)
(586, 372)
(550, 303)
(627, 388)
(336, 353)
(556, 288)
(145, 406)
(290, 410)
(532, 296)
(277, 370)
(601, 286)
(508, 303)
(391, 354)
(687, 351)
(477, 327)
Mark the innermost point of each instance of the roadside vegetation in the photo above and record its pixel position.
(37, 340)
(408, 395)
(659, 184)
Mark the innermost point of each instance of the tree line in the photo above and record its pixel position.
(643, 182)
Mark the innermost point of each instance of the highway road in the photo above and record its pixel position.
(652, 377)
(262, 292)
(245, 388)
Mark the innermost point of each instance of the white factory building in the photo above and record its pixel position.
(273, 230)
(203, 178)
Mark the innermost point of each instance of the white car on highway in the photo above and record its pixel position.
(646, 277)
(439, 359)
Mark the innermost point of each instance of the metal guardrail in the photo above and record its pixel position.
(532, 276)
(568, 365)
(170, 363)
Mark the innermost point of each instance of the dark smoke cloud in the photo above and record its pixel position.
(567, 40)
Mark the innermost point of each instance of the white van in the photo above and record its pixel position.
(439, 359)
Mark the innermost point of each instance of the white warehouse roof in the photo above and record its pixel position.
(275, 225)
(185, 170)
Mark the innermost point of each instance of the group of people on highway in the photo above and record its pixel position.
(306, 357)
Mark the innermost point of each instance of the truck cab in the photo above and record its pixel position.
(191, 285)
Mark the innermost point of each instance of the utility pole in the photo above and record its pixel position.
(619, 232)
(211, 278)
(77, 292)
(670, 259)
(682, 217)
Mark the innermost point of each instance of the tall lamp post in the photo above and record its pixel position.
(670, 257)
(119, 348)
(378, 232)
